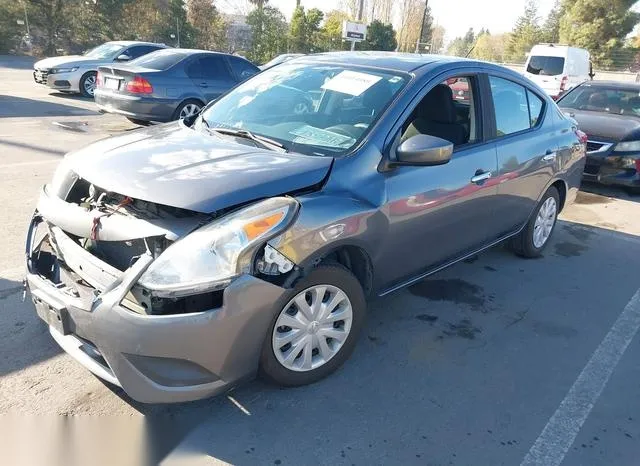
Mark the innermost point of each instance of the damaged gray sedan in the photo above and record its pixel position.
(179, 260)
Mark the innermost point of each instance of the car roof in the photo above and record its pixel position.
(405, 62)
(613, 85)
(126, 43)
(194, 51)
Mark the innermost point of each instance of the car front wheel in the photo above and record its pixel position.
(315, 329)
(532, 240)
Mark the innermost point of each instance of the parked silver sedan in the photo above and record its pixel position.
(77, 73)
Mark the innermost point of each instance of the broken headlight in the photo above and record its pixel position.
(210, 257)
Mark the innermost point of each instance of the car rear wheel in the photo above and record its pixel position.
(532, 240)
(88, 84)
(187, 108)
(315, 329)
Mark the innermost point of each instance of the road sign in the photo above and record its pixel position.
(354, 32)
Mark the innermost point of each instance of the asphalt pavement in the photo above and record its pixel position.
(497, 360)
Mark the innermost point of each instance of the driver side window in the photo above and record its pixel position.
(448, 111)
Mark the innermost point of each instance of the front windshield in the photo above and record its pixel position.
(312, 109)
(601, 99)
(104, 51)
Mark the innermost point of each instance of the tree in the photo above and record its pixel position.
(304, 32)
(427, 27)
(490, 47)
(380, 37)
(525, 34)
(271, 40)
(437, 39)
(551, 26)
(461, 46)
(10, 30)
(49, 16)
(331, 31)
(410, 23)
(601, 27)
(210, 28)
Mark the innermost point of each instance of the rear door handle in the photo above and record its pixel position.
(481, 177)
(203, 85)
(550, 156)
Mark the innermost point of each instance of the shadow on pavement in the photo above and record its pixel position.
(71, 96)
(617, 192)
(17, 62)
(33, 147)
(20, 107)
(24, 338)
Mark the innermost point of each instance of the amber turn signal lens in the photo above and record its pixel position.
(258, 227)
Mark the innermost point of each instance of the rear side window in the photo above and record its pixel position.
(510, 103)
(242, 68)
(536, 105)
(139, 50)
(209, 67)
(160, 60)
(545, 66)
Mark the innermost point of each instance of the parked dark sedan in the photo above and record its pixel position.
(609, 113)
(169, 84)
(179, 260)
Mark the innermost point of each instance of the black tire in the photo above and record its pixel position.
(522, 244)
(135, 121)
(83, 81)
(324, 274)
(176, 114)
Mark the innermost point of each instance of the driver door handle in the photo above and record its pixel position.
(549, 156)
(479, 178)
(203, 85)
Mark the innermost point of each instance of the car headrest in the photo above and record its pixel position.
(437, 105)
(597, 100)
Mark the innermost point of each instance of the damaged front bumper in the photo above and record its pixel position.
(90, 310)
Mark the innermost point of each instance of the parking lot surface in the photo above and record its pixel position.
(497, 360)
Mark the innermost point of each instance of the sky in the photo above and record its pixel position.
(456, 16)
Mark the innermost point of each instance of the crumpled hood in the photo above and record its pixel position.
(605, 127)
(68, 61)
(176, 166)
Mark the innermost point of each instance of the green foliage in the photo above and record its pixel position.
(551, 26)
(304, 32)
(210, 29)
(490, 47)
(330, 37)
(380, 37)
(269, 34)
(526, 33)
(601, 27)
(10, 30)
(460, 46)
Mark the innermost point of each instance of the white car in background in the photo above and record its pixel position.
(77, 73)
(558, 68)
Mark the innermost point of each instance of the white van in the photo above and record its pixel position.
(558, 68)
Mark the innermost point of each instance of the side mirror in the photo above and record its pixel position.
(123, 57)
(423, 149)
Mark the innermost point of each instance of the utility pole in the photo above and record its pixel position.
(26, 17)
(178, 30)
(426, 5)
(358, 18)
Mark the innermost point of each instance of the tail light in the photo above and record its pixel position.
(582, 136)
(638, 166)
(139, 85)
(563, 83)
(99, 79)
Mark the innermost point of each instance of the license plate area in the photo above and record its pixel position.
(54, 314)
(111, 83)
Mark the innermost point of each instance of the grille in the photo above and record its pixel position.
(40, 76)
(593, 146)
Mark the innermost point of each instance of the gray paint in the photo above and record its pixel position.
(409, 221)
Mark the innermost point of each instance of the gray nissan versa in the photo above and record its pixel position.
(178, 260)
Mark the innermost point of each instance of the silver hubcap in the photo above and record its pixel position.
(90, 84)
(312, 328)
(189, 110)
(544, 222)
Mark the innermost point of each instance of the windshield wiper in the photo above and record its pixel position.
(243, 133)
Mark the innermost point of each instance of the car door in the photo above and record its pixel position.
(526, 148)
(211, 74)
(440, 213)
(242, 69)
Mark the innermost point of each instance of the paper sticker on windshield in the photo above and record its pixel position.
(351, 82)
(321, 137)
